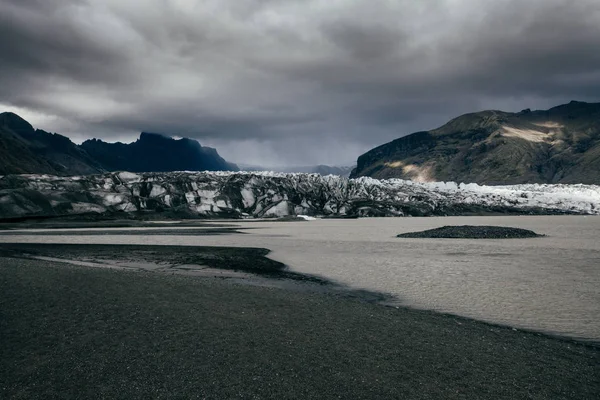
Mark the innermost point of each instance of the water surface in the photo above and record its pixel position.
(550, 284)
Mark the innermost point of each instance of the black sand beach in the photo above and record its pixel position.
(79, 332)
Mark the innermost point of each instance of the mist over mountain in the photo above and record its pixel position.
(343, 171)
(25, 150)
(559, 145)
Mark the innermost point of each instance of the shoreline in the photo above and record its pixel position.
(243, 265)
(258, 341)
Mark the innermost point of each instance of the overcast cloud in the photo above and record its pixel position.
(289, 81)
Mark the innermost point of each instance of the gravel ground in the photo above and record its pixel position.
(76, 332)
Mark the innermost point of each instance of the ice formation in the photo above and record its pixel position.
(269, 194)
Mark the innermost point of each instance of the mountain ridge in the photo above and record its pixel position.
(558, 145)
(155, 152)
(25, 150)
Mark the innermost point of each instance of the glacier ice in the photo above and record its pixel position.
(262, 194)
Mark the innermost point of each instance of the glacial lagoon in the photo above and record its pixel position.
(549, 284)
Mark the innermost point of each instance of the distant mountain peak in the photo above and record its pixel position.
(155, 152)
(162, 139)
(153, 135)
(11, 115)
(26, 150)
(14, 121)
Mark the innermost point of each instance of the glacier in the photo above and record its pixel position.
(269, 194)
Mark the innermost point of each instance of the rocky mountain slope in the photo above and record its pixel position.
(25, 150)
(242, 194)
(560, 145)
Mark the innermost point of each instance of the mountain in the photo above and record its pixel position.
(269, 194)
(559, 145)
(153, 152)
(343, 171)
(26, 150)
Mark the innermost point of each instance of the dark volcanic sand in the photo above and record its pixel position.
(147, 232)
(245, 259)
(472, 232)
(76, 332)
(62, 223)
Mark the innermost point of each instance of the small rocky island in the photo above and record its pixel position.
(472, 232)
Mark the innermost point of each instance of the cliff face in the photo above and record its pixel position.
(241, 194)
(560, 145)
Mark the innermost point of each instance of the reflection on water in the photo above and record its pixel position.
(550, 283)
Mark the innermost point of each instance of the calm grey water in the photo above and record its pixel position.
(550, 284)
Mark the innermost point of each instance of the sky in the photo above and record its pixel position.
(289, 82)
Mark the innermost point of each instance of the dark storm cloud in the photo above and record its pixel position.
(291, 81)
(38, 40)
